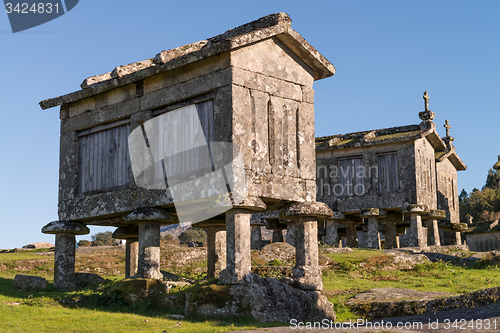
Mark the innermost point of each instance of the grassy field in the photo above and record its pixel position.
(96, 310)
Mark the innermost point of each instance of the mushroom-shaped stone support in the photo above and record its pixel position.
(373, 236)
(131, 236)
(238, 246)
(306, 273)
(149, 220)
(416, 231)
(64, 258)
(432, 218)
(216, 245)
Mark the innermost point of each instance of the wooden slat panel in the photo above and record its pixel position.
(104, 159)
(388, 173)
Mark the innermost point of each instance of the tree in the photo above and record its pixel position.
(103, 238)
(84, 242)
(492, 180)
(193, 235)
(463, 196)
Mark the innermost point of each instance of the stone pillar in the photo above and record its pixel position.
(373, 236)
(390, 231)
(131, 236)
(216, 245)
(277, 227)
(131, 256)
(290, 233)
(332, 234)
(238, 261)
(277, 235)
(351, 235)
(149, 221)
(256, 234)
(64, 257)
(417, 237)
(216, 250)
(391, 235)
(432, 226)
(148, 266)
(306, 273)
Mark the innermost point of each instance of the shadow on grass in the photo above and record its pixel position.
(99, 298)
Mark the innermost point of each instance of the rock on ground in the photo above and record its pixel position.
(32, 282)
(265, 299)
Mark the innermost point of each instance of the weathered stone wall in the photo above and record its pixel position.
(263, 101)
(326, 159)
(273, 120)
(425, 173)
(483, 242)
(447, 190)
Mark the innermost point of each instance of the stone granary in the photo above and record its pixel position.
(381, 175)
(483, 236)
(250, 89)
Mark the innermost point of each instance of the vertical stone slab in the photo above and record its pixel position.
(277, 235)
(216, 251)
(332, 234)
(290, 233)
(131, 256)
(306, 271)
(149, 251)
(64, 261)
(416, 234)
(351, 238)
(391, 235)
(238, 264)
(372, 235)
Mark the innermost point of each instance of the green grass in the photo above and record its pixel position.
(10, 257)
(96, 310)
(91, 309)
(350, 276)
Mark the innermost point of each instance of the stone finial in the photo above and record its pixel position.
(426, 98)
(448, 139)
(426, 114)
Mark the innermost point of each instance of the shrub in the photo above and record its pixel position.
(84, 242)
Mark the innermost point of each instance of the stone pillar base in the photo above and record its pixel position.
(64, 257)
(149, 252)
(307, 274)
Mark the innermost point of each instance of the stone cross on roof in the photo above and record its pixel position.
(448, 139)
(447, 126)
(426, 98)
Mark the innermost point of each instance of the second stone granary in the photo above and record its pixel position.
(384, 174)
(251, 87)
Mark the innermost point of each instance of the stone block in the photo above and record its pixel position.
(267, 84)
(279, 62)
(307, 94)
(29, 282)
(181, 91)
(82, 106)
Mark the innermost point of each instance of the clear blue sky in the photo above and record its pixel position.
(387, 53)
